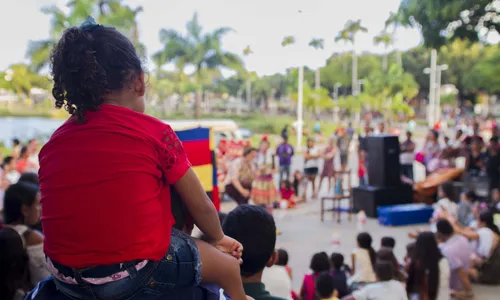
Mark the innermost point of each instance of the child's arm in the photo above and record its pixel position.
(199, 205)
(221, 269)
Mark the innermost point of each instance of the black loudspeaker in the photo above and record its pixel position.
(369, 198)
(383, 160)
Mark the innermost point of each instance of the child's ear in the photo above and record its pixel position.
(335, 293)
(272, 259)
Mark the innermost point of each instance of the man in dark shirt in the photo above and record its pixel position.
(285, 153)
(254, 228)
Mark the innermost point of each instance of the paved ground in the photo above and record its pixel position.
(303, 234)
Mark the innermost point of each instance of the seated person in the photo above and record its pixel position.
(457, 249)
(14, 266)
(254, 227)
(340, 273)
(386, 288)
(476, 160)
(325, 287)
(47, 290)
(106, 215)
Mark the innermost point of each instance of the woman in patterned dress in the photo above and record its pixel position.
(264, 190)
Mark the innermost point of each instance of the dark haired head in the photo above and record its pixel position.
(386, 254)
(486, 218)
(7, 161)
(282, 258)
(435, 133)
(471, 195)
(320, 262)
(447, 190)
(254, 228)
(494, 139)
(364, 240)
(90, 63)
(14, 263)
(249, 150)
(30, 177)
(388, 242)
(337, 260)
(20, 204)
(23, 153)
(424, 266)
(325, 286)
(16, 142)
(444, 228)
(384, 270)
(410, 250)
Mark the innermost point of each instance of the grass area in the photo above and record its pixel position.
(34, 112)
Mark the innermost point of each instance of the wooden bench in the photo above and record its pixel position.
(337, 199)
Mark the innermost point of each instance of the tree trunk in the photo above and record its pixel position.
(384, 62)
(197, 104)
(399, 58)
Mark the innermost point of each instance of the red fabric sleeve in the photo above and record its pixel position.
(175, 162)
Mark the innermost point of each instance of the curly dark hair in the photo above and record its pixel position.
(88, 63)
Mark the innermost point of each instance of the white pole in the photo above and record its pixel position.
(299, 108)
(438, 93)
(432, 89)
(354, 73)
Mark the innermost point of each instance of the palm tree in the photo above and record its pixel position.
(202, 50)
(386, 40)
(107, 12)
(395, 20)
(317, 44)
(348, 35)
(287, 41)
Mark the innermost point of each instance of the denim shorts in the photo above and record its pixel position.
(178, 269)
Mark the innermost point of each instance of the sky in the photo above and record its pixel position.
(260, 24)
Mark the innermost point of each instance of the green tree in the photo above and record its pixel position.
(317, 44)
(348, 35)
(484, 75)
(19, 79)
(337, 69)
(415, 61)
(461, 56)
(107, 12)
(385, 39)
(395, 20)
(440, 20)
(314, 98)
(202, 50)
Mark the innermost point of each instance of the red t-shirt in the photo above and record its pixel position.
(105, 188)
(286, 194)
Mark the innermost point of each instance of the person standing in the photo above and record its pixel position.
(285, 153)
(311, 165)
(407, 156)
(328, 164)
(263, 188)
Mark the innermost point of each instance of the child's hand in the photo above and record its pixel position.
(230, 246)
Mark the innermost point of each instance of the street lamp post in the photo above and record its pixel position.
(300, 101)
(432, 88)
(439, 69)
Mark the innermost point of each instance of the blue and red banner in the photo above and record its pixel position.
(199, 146)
